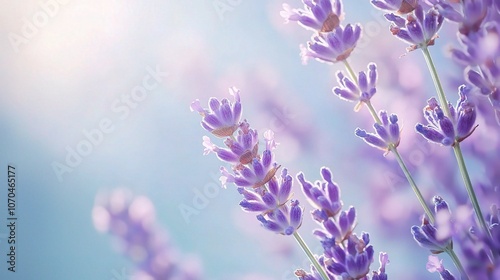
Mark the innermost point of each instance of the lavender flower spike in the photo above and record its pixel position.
(436, 265)
(131, 219)
(388, 133)
(223, 117)
(317, 15)
(333, 46)
(448, 131)
(362, 90)
(419, 29)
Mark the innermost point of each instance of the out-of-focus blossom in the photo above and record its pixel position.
(449, 130)
(468, 13)
(131, 219)
(333, 46)
(419, 29)
(361, 90)
(434, 264)
(396, 6)
(317, 15)
(383, 260)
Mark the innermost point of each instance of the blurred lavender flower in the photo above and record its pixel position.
(132, 220)
(397, 6)
(448, 131)
(223, 117)
(480, 54)
(383, 260)
(419, 29)
(361, 90)
(388, 133)
(317, 15)
(468, 13)
(434, 264)
(333, 46)
(254, 174)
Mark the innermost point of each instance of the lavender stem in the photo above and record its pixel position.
(310, 255)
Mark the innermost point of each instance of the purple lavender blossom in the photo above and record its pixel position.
(397, 6)
(254, 174)
(419, 29)
(446, 130)
(284, 220)
(427, 235)
(324, 196)
(353, 261)
(242, 149)
(362, 90)
(277, 194)
(132, 221)
(223, 117)
(333, 46)
(317, 15)
(388, 133)
(468, 13)
(434, 264)
(380, 274)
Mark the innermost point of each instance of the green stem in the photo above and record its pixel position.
(310, 255)
(413, 185)
(437, 82)
(457, 263)
(470, 189)
(456, 148)
(351, 72)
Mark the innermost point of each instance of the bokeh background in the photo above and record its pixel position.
(67, 68)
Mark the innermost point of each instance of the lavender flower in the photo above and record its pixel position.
(419, 29)
(254, 174)
(324, 196)
(427, 235)
(132, 220)
(362, 90)
(449, 130)
(352, 262)
(398, 6)
(317, 15)
(333, 46)
(388, 133)
(284, 220)
(223, 117)
(436, 265)
(380, 274)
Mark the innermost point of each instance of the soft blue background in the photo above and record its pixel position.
(65, 78)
